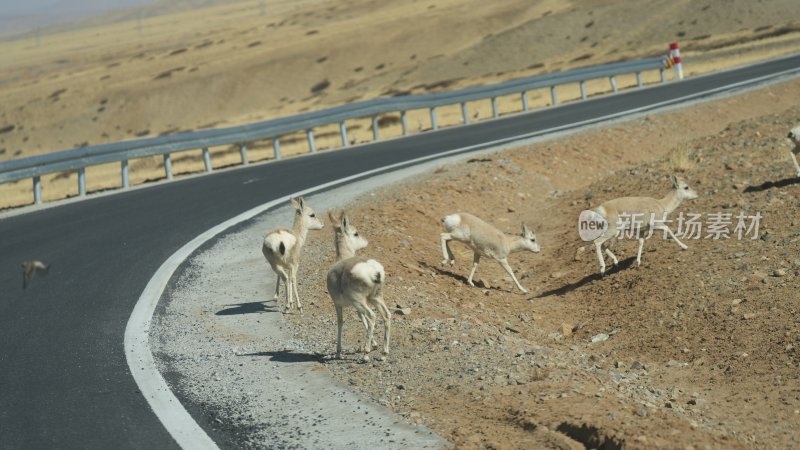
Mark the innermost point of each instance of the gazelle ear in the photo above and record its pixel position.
(525, 229)
(334, 220)
(675, 181)
(345, 221)
(297, 203)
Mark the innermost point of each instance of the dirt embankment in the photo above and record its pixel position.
(702, 344)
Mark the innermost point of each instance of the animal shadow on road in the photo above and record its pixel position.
(772, 184)
(462, 278)
(247, 308)
(567, 288)
(288, 356)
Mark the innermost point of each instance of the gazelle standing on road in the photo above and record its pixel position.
(484, 240)
(282, 249)
(646, 211)
(357, 282)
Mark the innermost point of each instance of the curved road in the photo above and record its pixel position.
(64, 380)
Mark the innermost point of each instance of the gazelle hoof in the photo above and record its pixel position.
(366, 358)
(382, 358)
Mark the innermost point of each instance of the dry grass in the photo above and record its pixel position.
(227, 64)
(682, 159)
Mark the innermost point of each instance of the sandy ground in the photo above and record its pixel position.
(694, 349)
(228, 64)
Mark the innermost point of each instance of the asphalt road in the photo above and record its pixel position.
(64, 380)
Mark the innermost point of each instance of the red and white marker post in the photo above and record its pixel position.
(675, 57)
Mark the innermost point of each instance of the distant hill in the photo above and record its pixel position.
(20, 20)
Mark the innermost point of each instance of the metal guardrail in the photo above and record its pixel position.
(80, 158)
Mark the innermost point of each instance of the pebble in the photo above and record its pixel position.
(600, 337)
(566, 329)
(758, 276)
(779, 273)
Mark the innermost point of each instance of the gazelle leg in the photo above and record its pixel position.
(796, 165)
(504, 262)
(364, 310)
(447, 255)
(639, 253)
(612, 256)
(289, 290)
(295, 290)
(600, 258)
(373, 344)
(339, 323)
(672, 235)
(476, 258)
(283, 276)
(386, 315)
(277, 288)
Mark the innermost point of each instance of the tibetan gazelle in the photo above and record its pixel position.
(282, 248)
(484, 240)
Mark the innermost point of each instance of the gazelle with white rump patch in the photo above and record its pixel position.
(484, 240)
(623, 213)
(357, 282)
(282, 249)
(794, 136)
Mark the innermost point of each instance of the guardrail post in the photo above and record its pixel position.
(82, 181)
(207, 159)
(525, 101)
(661, 71)
(375, 132)
(343, 132)
(37, 190)
(243, 152)
(613, 81)
(276, 146)
(434, 122)
(125, 180)
(312, 146)
(168, 165)
(553, 96)
(404, 120)
(494, 107)
(464, 113)
(583, 89)
(638, 79)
